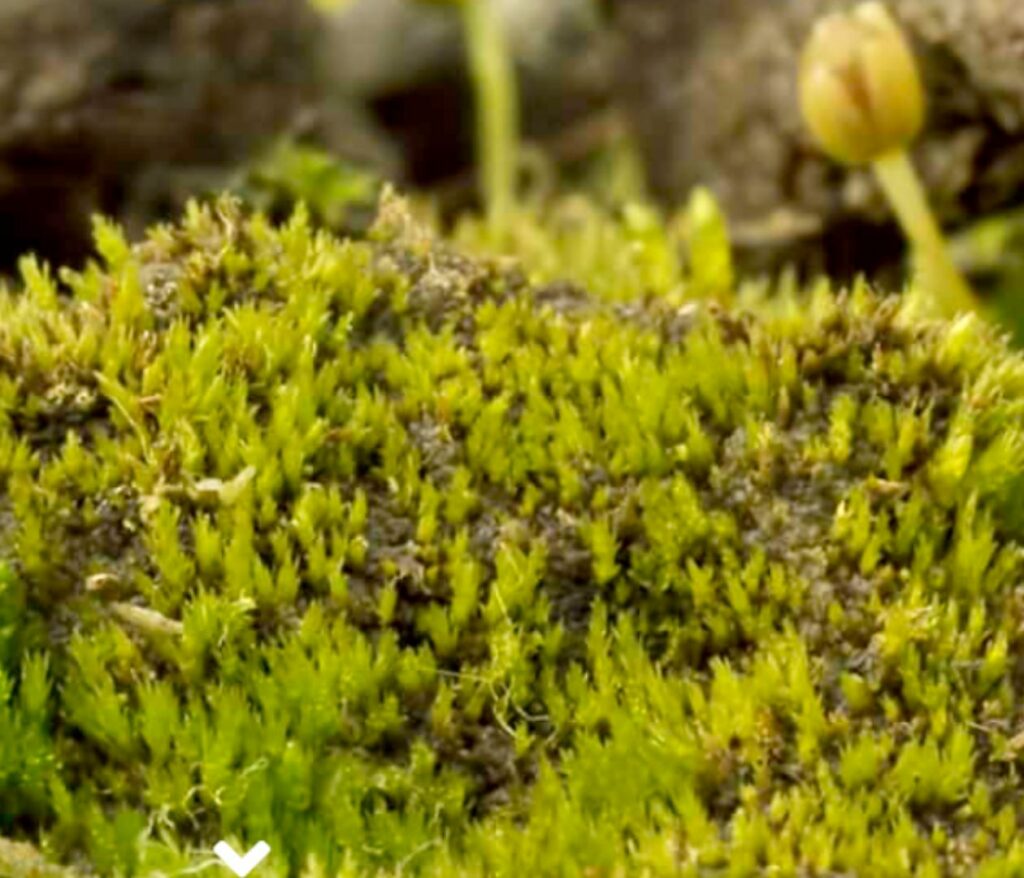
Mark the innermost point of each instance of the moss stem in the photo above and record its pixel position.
(497, 110)
(932, 260)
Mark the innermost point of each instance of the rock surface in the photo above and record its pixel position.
(129, 107)
(711, 88)
(406, 60)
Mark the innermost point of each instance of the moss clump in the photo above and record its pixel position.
(407, 565)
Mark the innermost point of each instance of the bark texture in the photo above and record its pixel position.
(711, 89)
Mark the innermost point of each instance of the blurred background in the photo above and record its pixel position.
(130, 107)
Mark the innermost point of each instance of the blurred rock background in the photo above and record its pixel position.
(129, 107)
(710, 87)
(404, 60)
(125, 106)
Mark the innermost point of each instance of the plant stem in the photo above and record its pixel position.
(497, 110)
(937, 273)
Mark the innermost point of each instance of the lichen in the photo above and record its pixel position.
(410, 563)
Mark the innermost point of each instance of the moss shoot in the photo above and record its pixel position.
(409, 564)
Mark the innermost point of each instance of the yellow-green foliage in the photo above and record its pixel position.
(410, 566)
(619, 254)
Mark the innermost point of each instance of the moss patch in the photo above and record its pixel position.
(407, 565)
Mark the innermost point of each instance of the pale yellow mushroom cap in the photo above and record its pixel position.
(860, 90)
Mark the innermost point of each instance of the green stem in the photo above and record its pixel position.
(497, 110)
(937, 273)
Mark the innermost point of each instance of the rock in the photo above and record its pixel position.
(382, 46)
(406, 61)
(711, 89)
(129, 108)
(21, 860)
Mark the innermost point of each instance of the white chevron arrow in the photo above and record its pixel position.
(241, 866)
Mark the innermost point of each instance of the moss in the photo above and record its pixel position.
(409, 563)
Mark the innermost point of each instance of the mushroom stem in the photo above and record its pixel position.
(933, 263)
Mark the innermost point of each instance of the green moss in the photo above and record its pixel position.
(409, 562)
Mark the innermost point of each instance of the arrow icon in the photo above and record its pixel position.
(241, 866)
